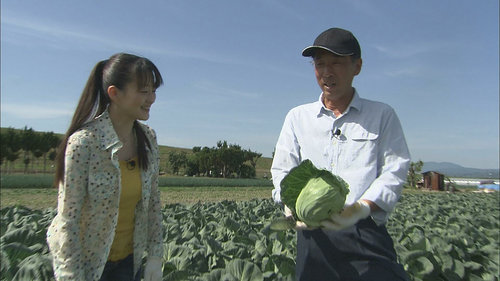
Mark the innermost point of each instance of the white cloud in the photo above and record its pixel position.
(20, 31)
(403, 72)
(410, 49)
(36, 111)
(56, 35)
(48, 33)
(366, 7)
(224, 92)
(284, 9)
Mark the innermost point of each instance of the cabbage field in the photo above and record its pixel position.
(438, 236)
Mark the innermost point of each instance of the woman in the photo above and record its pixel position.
(109, 210)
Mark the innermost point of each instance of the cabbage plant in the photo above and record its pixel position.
(313, 194)
(454, 239)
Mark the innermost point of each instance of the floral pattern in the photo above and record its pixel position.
(81, 234)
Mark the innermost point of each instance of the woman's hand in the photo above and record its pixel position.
(153, 271)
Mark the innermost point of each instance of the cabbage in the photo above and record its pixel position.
(313, 194)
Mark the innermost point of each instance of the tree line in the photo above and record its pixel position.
(28, 145)
(223, 161)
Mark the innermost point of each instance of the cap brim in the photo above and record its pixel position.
(309, 51)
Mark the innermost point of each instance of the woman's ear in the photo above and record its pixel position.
(112, 92)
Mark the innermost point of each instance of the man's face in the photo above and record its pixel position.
(335, 73)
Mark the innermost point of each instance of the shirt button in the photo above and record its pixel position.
(332, 165)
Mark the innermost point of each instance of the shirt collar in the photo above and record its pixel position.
(355, 103)
(107, 133)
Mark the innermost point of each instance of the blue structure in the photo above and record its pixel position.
(490, 185)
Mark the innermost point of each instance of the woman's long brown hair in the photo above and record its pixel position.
(118, 70)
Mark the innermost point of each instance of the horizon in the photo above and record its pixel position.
(270, 157)
(233, 70)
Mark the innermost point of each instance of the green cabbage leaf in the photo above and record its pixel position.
(313, 194)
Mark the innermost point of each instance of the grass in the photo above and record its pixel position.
(46, 181)
(35, 190)
(33, 198)
(26, 180)
(42, 198)
(214, 182)
(188, 195)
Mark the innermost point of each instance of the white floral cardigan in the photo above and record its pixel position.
(81, 234)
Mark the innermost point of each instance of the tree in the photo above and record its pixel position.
(3, 148)
(205, 159)
(252, 157)
(12, 156)
(233, 160)
(230, 157)
(414, 175)
(247, 171)
(224, 160)
(11, 145)
(177, 160)
(28, 144)
(33, 144)
(37, 153)
(192, 166)
(52, 155)
(236, 160)
(47, 142)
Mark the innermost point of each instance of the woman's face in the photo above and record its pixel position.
(134, 103)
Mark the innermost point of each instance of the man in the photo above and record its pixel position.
(359, 140)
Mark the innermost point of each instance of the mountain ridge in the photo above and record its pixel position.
(454, 170)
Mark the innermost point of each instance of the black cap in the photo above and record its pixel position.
(336, 40)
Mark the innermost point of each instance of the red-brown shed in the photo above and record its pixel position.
(433, 180)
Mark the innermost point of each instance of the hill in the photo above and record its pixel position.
(454, 170)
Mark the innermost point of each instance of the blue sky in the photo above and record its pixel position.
(233, 69)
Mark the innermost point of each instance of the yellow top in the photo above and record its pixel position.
(123, 242)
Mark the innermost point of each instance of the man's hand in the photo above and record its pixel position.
(153, 271)
(348, 217)
(299, 225)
